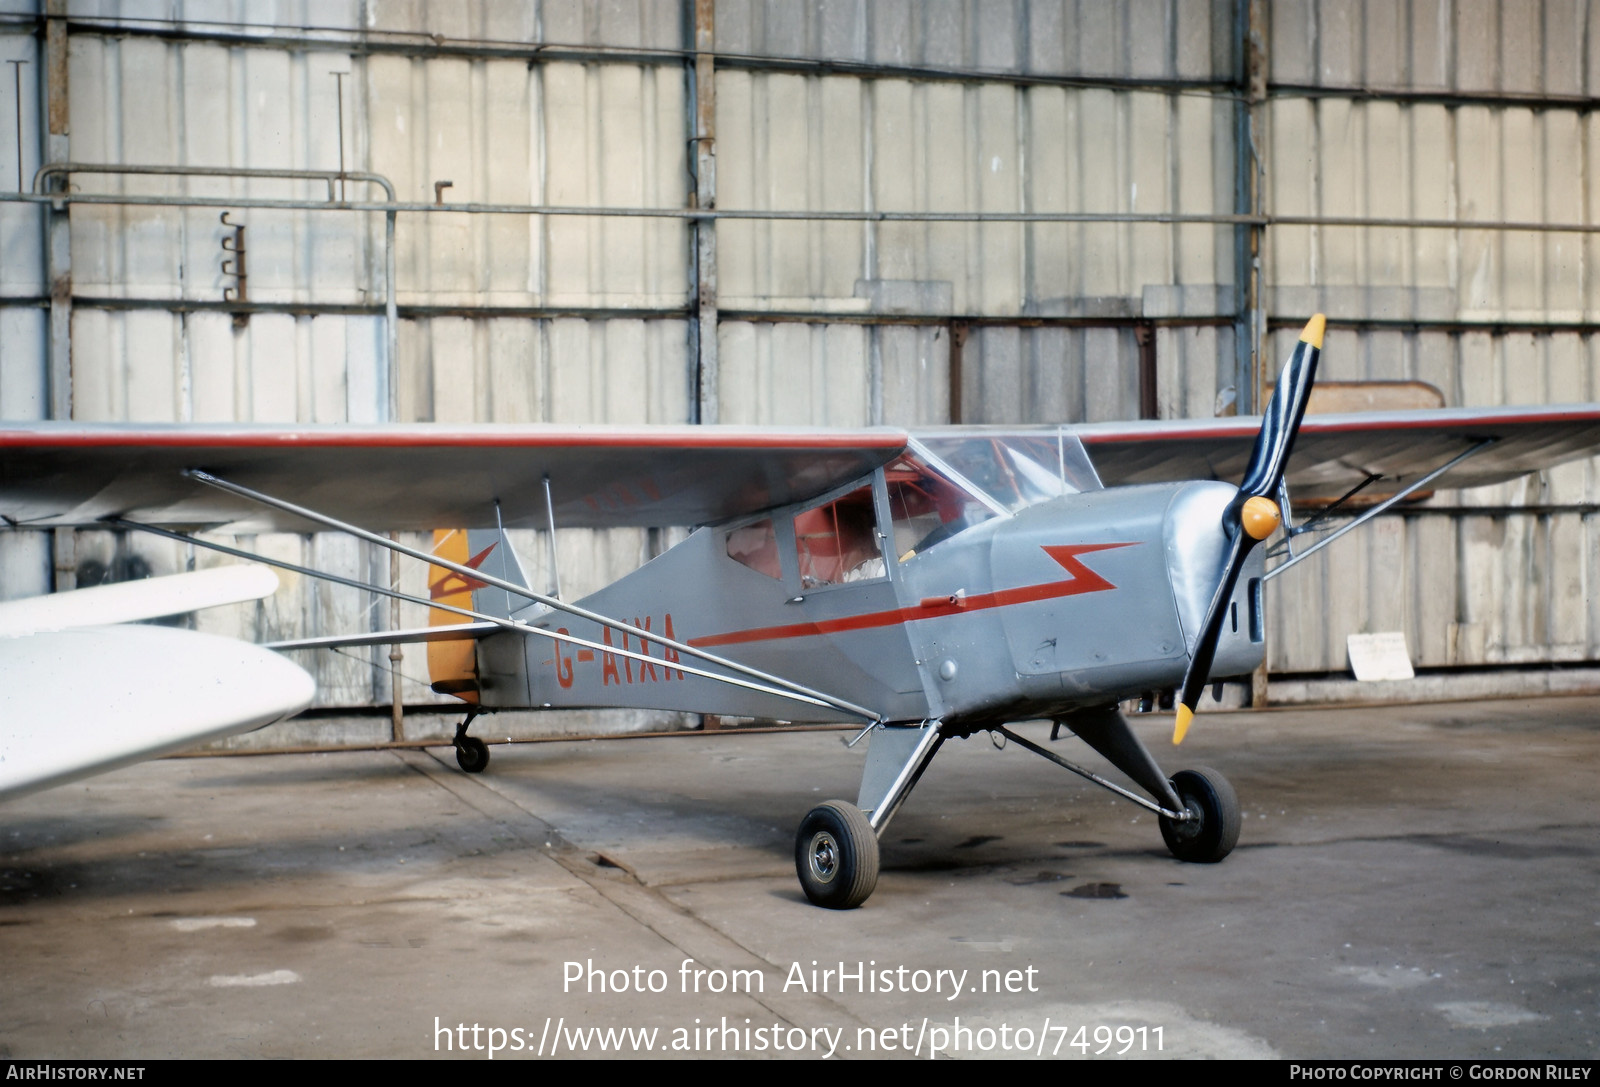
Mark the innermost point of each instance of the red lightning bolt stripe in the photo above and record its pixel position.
(1083, 580)
(451, 582)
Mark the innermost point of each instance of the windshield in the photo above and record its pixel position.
(1016, 469)
(927, 507)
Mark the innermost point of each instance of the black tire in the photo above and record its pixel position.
(836, 856)
(472, 754)
(1213, 834)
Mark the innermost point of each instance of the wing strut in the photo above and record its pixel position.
(769, 685)
(808, 695)
(550, 520)
(1380, 507)
(1291, 530)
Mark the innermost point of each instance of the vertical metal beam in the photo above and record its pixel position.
(704, 403)
(397, 704)
(1149, 403)
(1256, 97)
(64, 559)
(389, 372)
(389, 401)
(58, 240)
(391, 414)
(16, 73)
(1243, 167)
(338, 80)
(58, 264)
(1251, 40)
(1252, 158)
(705, 196)
(957, 351)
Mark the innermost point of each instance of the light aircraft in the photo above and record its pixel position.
(929, 585)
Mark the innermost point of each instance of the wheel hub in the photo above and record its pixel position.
(1193, 825)
(824, 856)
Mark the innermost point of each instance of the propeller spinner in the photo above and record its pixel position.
(1252, 516)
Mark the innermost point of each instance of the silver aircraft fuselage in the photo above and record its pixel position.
(1040, 608)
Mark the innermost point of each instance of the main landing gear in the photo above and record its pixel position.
(836, 855)
(472, 754)
(836, 849)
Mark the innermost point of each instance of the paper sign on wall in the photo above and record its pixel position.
(1380, 656)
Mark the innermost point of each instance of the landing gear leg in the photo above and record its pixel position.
(1198, 810)
(1107, 731)
(472, 754)
(836, 849)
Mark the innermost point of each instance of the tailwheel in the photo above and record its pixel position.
(472, 754)
(1214, 829)
(836, 855)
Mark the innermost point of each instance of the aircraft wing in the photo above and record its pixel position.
(87, 700)
(132, 601)
(1336, 452)
(418, 477)
(83, 698)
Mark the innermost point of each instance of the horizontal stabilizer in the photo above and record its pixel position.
(80, 702)
(133, 601)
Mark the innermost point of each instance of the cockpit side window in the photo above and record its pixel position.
(927, 508)
(837, 542)
(756, 546)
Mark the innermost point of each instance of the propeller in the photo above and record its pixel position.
(1252, 516)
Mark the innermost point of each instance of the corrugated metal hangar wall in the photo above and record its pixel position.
(846, 212)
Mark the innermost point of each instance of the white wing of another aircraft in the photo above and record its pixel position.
(84, 696)
(132, 601)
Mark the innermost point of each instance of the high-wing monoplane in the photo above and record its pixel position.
(928, 585)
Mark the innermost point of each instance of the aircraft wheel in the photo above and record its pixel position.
(1211, 836)
(472, 754)
(836, 856)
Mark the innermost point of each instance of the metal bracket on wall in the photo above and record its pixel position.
(240, 291)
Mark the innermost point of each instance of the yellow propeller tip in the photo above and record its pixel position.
(1314, 330)
(1181, 727)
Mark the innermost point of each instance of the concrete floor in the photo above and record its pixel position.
(1411, 881)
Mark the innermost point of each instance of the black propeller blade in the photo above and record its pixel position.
(1252, 516)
